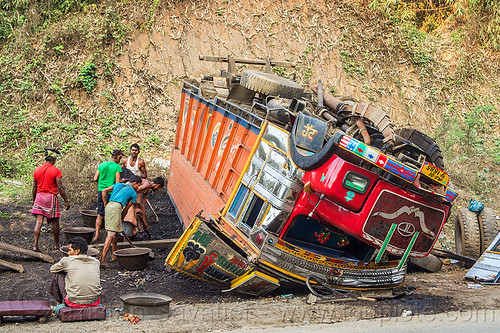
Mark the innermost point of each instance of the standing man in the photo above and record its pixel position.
(124, 196)
(76, 280)
(46, 184)
(135, 164)
(106, 175)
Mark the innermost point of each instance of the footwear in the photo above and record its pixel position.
(106, 265)
(36, 249)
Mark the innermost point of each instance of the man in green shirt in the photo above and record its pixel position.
(107, 174)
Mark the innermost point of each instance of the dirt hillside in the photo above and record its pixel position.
(421, 83)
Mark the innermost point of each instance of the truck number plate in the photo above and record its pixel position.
(435, 173)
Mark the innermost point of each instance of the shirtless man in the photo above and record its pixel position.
(135, 164)
(140, 205)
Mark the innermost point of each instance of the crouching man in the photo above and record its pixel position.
(76, 281)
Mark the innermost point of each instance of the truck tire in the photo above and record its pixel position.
(425, 143)
(490, 226)
(270, 84)
(467, 234)
(431, 263)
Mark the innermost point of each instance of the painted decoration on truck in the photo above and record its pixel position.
(377, 158)
(202, 254)
(409, 216)
(215, 133)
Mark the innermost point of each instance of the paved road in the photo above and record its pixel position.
(484, 321)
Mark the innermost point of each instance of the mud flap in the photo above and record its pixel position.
(254, 283)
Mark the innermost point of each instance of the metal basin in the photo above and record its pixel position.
(90, 252)
(133, 258)
(84, 232)
(89, 217)
(146, 305)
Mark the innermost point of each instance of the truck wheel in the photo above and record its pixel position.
(490, 226)
(467, 234)
(425, 143)
(270, 84)
(431, 263)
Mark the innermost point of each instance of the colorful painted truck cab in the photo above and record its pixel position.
(277, 184)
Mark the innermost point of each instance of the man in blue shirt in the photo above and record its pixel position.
(123, 196)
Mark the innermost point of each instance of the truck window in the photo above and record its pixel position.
(253, 211)
(238, 201)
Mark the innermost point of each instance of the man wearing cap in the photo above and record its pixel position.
(46, 184)
(107, 174)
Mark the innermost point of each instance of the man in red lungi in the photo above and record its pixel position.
(46, 184)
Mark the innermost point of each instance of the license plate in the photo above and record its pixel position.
(435, 173)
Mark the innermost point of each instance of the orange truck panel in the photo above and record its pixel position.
(212, 145)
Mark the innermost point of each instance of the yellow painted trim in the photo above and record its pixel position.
(240, 234)
(245, 168)
(174, 253)
(241, 279)
(253, 188)
(495, 252)
(273, 146)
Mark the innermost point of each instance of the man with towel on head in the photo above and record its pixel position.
(46, 184)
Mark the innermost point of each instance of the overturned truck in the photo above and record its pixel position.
(276, 184)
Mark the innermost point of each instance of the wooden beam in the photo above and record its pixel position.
(248, 61)
(11, 265)
(38, 255)
(152, 244)
(451, 255)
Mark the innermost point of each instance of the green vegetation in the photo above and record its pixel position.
(49, 51)
(88, 77)
(427, 16)
(473, 137)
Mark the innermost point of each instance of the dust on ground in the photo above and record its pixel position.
(202, 306)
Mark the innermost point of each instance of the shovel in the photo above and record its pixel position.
(151, 254)
(149, 204)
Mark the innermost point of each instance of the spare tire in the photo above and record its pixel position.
(270, 84)
(425, 143)
(467, 234)
(489, 225)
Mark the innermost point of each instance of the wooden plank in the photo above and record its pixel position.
(11, 265)
(152, 244)
(248, 61)
(451, 255)
(38, 255)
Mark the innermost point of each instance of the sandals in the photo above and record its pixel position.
(106, 265)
